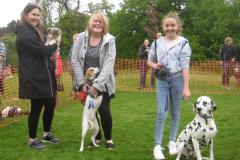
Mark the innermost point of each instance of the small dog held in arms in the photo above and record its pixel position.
(89, 120)
(199, 133)
(53, 36)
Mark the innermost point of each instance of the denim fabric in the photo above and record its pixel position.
(168, 92)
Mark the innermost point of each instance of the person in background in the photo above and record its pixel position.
(96, 48)
(226, 58)
(158, 35)
(143, 55)
(171, 58)
(3, 54)
(237, 61)
(36, 74)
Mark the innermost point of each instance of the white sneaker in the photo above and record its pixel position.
(172, 148)
(157, 153)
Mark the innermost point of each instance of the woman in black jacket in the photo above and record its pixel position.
(36, 74)
(143, 55)
(226, 58)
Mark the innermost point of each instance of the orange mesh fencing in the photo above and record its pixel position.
(205, 78)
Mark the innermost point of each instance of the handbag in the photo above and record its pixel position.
(60, 86)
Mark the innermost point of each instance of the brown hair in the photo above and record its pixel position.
(175, 16)
(28, 8)
(102, 18)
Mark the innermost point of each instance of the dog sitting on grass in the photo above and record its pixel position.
(89, 120)
(199, 133)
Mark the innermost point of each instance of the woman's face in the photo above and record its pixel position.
(97, 26)
(33, 17)
(170, 27)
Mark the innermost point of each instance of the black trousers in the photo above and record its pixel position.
(106, 118)
(36, 108)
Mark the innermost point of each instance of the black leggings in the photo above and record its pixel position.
(106, 118)
(36, 108)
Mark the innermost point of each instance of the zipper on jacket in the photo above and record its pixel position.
(49, 76)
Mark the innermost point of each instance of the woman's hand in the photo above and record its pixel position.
(55, 55)
(93, 92)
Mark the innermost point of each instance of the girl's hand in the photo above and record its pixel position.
(157, 66)
(186, 94)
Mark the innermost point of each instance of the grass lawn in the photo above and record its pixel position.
(133, 131)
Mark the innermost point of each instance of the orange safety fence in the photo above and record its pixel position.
(205, 78)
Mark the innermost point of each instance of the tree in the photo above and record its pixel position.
(70, 23)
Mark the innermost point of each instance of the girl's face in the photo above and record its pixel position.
(170, 27)
(146, 42)
(33, 17)
(97, 26)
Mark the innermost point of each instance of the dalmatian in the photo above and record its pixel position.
(199, 133)
(89, 120)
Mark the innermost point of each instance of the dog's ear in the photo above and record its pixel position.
(214, 107)
(49, 30)
(88, 74)
(194, 107)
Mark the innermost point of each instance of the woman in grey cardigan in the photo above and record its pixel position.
(96, 48)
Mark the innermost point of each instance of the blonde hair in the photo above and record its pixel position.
(102, 18)
(227, 39)
(74, 37)
(175, 16)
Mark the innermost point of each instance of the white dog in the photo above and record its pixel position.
(11, 111)
(89, 120)
(199, 133)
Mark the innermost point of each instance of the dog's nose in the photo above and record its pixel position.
(199, 109)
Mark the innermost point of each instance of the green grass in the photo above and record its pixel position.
(133, 131)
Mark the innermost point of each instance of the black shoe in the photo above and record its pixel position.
(110, 146)
(37, 145)
(50, 139)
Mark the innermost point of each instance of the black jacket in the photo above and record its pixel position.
(226, 53)
(237, 54)
(36, 70)
(143, 52)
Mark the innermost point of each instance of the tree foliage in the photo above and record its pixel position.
(206, 22)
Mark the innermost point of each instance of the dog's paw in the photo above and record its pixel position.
(81, 150)
(52, 42)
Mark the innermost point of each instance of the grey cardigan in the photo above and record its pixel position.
(105, 82)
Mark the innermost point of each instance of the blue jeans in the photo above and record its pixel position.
(168, 90)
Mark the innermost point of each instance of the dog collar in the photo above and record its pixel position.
(204, 116)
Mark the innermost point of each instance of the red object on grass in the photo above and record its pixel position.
(82, 97)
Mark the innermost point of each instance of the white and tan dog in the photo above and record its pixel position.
(53, 36)
(89, 120)
(199, 133)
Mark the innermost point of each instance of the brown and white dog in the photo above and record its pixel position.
(89, 120)
(199, 133)
(53, 36)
